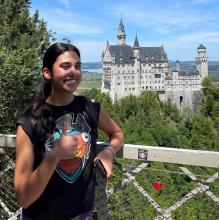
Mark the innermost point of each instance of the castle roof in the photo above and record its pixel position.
(201, 46)
(136, 43)
(121, 25)
(124, 54)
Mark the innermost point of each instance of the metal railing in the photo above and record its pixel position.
(148, 183)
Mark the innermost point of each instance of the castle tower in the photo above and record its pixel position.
(202, 61)
(121, 34)
(177, 64)
(136, 48)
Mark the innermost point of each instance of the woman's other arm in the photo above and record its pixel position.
(116, 139)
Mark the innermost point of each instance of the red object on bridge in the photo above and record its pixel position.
(158, 185)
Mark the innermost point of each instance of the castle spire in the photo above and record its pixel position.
(136, 43)
(121, 34)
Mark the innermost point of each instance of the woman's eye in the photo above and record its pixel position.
(78, 66)
(65, 65)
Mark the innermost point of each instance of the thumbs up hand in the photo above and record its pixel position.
(67, 146)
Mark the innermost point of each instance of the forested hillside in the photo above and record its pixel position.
(146, 120)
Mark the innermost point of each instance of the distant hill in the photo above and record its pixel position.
(213, 67)
(92, 67)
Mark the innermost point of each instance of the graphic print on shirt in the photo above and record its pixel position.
(71, 168)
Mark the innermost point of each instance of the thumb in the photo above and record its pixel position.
(64, 129)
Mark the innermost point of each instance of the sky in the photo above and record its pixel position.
(179, 25)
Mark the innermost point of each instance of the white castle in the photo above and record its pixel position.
(130, 70)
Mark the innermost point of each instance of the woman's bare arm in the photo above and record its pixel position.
(29, 183)
(116, 139)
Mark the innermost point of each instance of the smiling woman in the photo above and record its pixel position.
(56, 143)
(65, 76)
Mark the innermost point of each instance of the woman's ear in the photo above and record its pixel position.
(46, 73)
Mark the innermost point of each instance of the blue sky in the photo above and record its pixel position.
(179, 25)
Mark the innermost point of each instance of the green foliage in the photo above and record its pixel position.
(203, 133)
(198, 208)
(211, 98)
(23, 40)
(146, 120)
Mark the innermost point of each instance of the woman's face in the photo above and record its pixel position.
(66, 72)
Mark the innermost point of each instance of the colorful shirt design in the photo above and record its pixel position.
(71, 168)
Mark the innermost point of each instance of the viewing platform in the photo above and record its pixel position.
(149, 182)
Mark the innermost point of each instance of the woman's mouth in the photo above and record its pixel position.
(71, 81)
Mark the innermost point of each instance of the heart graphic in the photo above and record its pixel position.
(158, 185)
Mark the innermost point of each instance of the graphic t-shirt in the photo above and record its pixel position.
(71, 189)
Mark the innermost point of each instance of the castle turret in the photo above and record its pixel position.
(177, 64)
(202, 61)
(136, 48)
(121, 34)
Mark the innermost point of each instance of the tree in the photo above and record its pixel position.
(23, 40)
(203, 133)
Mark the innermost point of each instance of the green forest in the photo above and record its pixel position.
(145, 120)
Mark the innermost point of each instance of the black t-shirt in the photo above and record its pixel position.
(71, 189)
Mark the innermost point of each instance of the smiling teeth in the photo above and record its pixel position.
(71, 81)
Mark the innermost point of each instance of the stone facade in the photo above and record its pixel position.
(129, 70)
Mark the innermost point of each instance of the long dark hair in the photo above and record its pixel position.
(41, 120)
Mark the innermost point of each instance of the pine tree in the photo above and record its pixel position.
(23, 39)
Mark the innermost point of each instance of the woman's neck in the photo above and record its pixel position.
(60, 100)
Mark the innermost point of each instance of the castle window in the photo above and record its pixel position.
(157, 76)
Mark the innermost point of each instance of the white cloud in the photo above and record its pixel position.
(68, 22)
(66, 3)
(68, 28)
(163, 16)
(210, 37)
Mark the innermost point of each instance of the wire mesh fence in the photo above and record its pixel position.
(138, 190)
(9, 208)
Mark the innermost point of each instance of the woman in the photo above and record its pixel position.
(56, 143)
